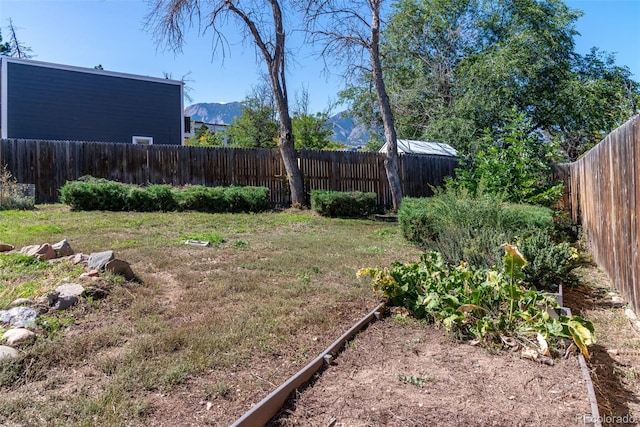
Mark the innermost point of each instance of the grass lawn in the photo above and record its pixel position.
(206, 330)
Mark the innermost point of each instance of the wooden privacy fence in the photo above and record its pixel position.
(49, 164)
(604, 196)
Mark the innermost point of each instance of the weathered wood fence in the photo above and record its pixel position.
(49, 164)
(604, 197)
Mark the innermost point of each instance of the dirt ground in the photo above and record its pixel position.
(404, 373)
(415, 375)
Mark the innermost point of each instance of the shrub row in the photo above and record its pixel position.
(90, 193)
(343, 204)
(473, 228)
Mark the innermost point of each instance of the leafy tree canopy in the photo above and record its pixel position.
(256, 127)
(310, 132)
(203, 137)
(455, 68)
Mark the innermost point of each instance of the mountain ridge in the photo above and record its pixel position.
(346, 129)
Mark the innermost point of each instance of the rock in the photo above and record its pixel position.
(80, 259)
(8, 352)
(64, 302)
(90, 273)
(62, 248)
(44, 251)
(117, 266)
(18, 335)
(6, 248)
(98, 260)
(21, 301)
(70, 289)
(52, 297)
(617, 301)
(18, 316)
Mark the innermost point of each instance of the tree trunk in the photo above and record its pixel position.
(391, 162)
(289, 157)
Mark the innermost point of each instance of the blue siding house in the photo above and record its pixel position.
(40, 100)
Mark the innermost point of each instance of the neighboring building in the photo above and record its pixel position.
(40, 100)
(408, 146)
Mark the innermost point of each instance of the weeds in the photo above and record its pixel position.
(11, 193)
(416, 380)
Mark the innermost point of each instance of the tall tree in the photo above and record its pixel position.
(265, 27)
(256, 127)
(597, 97)
(14, 47)
(311, 131)
(344, 29)
(457, 67)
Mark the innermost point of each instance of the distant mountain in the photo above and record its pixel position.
(213, 112)
(346, 129)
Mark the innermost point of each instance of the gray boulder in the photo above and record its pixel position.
(98, 260)
(70, 289)
(120, 267)
(7, 352)
(64, 302)
(62, 248)
(18, 316)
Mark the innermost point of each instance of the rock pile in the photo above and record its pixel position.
(22, 313)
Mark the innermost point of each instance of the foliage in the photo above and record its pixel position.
(550, 264)
(203, 137)
(373, 145)
(14, 47)
(454, 68)
(94, 194)
(514, 165)
(483, 305)
(343, 204)
(598, 97)
(256, 127)
(470, 227)
(152, 198)
(310, 132)
(100, 194)
(11, 196)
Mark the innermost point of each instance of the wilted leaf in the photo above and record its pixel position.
(468, 308)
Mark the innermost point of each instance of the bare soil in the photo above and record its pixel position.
(370, 383)
(415, 375)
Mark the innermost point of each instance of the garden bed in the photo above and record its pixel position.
(412, 374)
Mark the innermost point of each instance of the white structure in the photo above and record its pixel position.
(408, 146)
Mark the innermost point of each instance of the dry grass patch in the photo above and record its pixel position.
(221, 324)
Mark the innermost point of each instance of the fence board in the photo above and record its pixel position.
(50, 164)
(602, 194)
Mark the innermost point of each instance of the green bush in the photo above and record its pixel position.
(152, 198)
(99, 194)
(343, 204)
(246, 199)
(515, 163)
(463, 226)
(93, 194)
(548, 264)
(202, 199)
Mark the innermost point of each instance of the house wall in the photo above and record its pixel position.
(47, 101)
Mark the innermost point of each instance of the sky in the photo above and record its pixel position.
(111, 33)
